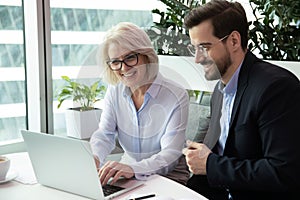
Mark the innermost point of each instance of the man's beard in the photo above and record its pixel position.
(224, 65)
(219, 68)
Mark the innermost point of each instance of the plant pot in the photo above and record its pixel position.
(82, 124)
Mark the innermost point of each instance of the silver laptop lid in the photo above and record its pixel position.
(63, 163)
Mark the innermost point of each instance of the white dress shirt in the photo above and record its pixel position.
(153, 136)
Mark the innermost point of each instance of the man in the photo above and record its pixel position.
(251, 148)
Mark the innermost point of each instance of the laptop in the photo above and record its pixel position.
(67, 164)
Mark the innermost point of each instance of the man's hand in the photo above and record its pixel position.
(196, 156)
(115, 170)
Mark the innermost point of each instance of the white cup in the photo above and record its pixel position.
(4, 167)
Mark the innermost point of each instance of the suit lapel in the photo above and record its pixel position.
(242, 84)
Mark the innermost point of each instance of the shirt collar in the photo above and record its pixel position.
(231, 87)
(152, 91)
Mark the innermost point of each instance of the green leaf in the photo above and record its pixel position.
(270, 31)
(86, 95)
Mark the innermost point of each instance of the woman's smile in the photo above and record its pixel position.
(129, 74)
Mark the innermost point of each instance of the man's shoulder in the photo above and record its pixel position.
(262, 73)
(264, 68)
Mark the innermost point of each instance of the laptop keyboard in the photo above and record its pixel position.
(110, 189)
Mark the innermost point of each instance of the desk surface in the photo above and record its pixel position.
(164, 188)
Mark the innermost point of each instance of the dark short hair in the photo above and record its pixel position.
(225, 17)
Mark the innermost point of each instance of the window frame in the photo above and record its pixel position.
(38, 71)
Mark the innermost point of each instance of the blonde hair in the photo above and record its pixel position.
(129, 36)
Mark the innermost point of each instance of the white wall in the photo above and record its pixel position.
(184, 71)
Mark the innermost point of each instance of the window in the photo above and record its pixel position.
(12, 71)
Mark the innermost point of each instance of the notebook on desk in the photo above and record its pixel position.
(67, 164)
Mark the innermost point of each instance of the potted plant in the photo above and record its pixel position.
(81, 120)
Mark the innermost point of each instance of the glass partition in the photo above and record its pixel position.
(12, 72)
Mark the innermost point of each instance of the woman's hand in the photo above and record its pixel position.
(115, 170)
(97, 161)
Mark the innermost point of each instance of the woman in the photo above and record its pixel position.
(144, 111)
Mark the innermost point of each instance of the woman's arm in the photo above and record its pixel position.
(103, 139)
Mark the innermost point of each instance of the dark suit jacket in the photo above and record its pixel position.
(262, 152)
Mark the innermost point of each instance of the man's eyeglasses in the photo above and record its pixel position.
(201, 49)
(130, 60)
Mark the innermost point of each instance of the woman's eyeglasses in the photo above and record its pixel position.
(130, 60)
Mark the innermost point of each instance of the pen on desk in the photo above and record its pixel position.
(143, 197)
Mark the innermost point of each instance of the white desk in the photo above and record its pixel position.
(161, 186)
